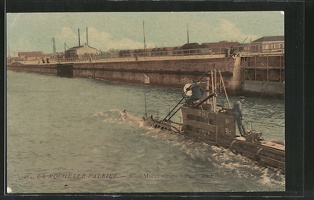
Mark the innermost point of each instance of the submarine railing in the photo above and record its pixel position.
(172, 114)
(165, 119)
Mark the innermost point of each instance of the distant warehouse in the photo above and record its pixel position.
(268, 44)
(81, 52)
(33, 55)
(215, 48)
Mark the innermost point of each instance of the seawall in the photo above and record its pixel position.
(169, 72)
(264, 87)
(174, 73)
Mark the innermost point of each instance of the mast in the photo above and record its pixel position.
(207, 88)
(223, 84)
(144, 37)
(187, 34)
(212, 86)
(87, 36)
(145, 104)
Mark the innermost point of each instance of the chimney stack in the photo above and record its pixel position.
(79, 37)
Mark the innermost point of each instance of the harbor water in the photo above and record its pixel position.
(67, 136)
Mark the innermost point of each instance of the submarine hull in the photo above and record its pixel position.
(219, 129)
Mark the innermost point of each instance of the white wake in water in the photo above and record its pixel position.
(220, 159)
(110, 116)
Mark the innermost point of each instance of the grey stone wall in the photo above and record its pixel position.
(268, 88)
(174, 73)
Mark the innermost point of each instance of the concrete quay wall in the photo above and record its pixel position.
(38, 69)
(264, 87)
(174, 73)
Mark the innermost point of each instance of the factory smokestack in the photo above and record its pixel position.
(87, 36)
(53, 45)
(79, 37)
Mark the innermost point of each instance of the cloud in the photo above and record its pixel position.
(13, 19)
(66, 33)
(222, 30)
(104, 41)
(98, 39)
(68, 36)
(229, 31)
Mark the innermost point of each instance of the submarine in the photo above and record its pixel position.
(206, 121)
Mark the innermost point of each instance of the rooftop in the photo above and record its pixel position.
(31, 54)
(219, 44)
(270, 39)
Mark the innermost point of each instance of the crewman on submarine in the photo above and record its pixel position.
(237, 111)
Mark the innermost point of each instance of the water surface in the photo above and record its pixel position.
(66, 135)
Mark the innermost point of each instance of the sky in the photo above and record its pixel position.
(124, 30)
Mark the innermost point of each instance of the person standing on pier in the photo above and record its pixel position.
(237, 111)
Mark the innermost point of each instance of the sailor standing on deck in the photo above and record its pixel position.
(237, 111)
(193, 91)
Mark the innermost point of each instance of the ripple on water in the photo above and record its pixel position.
(75, 127)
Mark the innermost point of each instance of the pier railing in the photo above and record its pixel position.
(245, 50)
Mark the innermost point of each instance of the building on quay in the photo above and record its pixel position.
(188, 49)
(81, 52)
(255, 67)
(222, 47)
(263, 65)
(31, 55)
(268, 44)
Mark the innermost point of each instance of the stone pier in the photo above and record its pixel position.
(171, 72)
